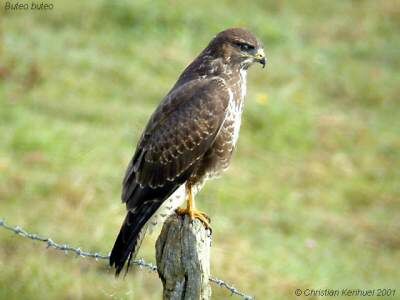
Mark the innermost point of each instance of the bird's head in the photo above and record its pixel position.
(239, 47)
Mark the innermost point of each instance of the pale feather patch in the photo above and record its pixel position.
(236, 108)
(243, 82)
(167, 208)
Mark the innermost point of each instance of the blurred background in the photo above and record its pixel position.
(311, 199)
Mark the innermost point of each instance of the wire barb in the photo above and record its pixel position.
(79, 252)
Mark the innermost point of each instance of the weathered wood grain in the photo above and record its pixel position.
(183, 259)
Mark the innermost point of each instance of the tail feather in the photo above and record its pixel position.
(130, 237)
(142, 203)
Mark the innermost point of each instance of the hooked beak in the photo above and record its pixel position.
(260, 57)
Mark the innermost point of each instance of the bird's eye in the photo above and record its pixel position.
(245, 47)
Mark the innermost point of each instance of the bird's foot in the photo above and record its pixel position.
(195, 214)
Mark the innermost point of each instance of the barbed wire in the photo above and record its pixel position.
(231, 288)
(79, 252)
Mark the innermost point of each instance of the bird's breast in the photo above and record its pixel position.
(235, 108)
(218, 157)
(226, 140)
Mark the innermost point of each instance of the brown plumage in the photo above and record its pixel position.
(188, 139)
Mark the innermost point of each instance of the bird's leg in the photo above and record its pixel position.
(192, 211)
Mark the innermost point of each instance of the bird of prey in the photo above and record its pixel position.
(189, 138)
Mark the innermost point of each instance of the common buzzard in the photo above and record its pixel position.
(189, 138)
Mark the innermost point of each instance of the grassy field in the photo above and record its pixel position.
(312, 198)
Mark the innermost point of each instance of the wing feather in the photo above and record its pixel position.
(180, 131)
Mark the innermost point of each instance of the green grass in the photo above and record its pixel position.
(312, 197)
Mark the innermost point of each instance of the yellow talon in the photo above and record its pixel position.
(192, 212)
(195, 214)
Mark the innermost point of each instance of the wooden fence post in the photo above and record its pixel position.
(183, 259)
